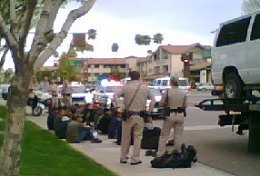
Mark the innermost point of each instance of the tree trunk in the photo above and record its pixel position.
(12, 146)
(27, 64)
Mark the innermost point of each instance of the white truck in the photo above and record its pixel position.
(235, 74)
(236, 56)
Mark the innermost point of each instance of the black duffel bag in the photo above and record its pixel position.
(182, 159)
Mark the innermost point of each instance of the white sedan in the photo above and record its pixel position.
(79, 93)
(205, 86)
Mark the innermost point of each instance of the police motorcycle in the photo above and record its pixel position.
(38, 100)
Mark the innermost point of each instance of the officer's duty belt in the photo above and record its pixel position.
(134, 112)
(179, 110)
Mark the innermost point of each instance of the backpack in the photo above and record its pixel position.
(182, 159)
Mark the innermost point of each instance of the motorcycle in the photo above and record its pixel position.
(38, 100)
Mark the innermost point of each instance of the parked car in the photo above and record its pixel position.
(184, 84)
(205, 86)
(157, 111)
(160, 83)
(125, 80)
(164, 83)
(79, 94)
(235, 56)
(104, 94)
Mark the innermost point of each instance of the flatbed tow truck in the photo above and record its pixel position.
(244, 112)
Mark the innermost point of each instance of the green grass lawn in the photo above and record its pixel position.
(1, 126)
(45, 155)
(2, 117)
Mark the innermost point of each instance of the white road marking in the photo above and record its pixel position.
(204, 127)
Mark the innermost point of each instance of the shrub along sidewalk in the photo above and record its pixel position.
(45, 155)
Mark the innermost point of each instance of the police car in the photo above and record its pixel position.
(103, 94)
(79, 93)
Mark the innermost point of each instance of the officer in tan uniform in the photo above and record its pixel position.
(33, 86)
(67, 91)
(135, 123)
(53, 89)
(177, 102)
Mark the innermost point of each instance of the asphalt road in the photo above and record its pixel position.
(218, 147)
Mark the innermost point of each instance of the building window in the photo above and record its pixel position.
(155, 57)
(165, 68)
(96, 65)
(122, 66)
(157, 70)
(106, 66)
(165, 57)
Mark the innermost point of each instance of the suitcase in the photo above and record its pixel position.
(150, 138)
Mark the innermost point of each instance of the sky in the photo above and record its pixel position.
(181, 22)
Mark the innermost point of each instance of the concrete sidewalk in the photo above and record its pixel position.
(107, 153)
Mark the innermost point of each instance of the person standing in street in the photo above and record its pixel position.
(176, 100)
(67, 91)
(34, 85)
(45, 84)
(53, 89)
(135, 95)
(32, 97)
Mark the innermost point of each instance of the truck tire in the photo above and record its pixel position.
(233, 86)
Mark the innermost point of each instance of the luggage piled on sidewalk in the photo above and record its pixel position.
(150, 138)
(183, 159)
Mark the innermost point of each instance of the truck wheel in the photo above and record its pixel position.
(233, 86)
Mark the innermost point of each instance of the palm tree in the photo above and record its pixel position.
(146, 39)
(115, 47)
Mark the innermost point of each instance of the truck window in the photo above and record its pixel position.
(232, 33)
(255, 34)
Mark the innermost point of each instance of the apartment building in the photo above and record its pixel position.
(179, 60)
(90, 69)
(192, 61)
